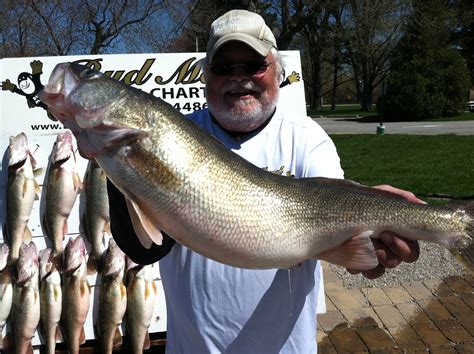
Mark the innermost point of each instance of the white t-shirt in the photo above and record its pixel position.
(215, 308)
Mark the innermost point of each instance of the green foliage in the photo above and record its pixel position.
(428, 78)
(408, 162)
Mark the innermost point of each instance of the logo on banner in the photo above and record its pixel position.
(29, 84)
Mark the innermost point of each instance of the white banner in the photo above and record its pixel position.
(176, 78)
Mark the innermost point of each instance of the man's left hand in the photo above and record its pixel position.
(391, 249)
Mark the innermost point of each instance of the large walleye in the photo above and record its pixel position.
(51, 299)
(76, 294)
(6, 290)
(180, 180)
(62, 184)
(22, 190)
(25, 313)
(141, 296)
(97, 218)
(112, 298)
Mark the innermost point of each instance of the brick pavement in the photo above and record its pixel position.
(435, 316)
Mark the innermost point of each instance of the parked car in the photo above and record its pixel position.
(470, 106)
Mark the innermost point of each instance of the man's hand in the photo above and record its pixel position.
(390, 248)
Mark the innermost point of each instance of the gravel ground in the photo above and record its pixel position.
(434, 262)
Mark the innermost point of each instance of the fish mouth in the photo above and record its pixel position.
(46, 262)
(63, 148)
(115, 259)
(63, 82)
(57, 91)
(18, 150)
(28, 263)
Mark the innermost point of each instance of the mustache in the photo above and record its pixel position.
(242, 86)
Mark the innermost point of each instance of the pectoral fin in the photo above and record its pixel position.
(146, 341)
(146, 230)
(356, 253)
(117, 338)
(82, 336)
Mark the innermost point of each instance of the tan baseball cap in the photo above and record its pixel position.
(243, 26)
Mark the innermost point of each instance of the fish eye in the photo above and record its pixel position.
(89, 74)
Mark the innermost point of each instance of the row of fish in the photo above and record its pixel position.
(55, 278)
(34, 294)
(61, 187)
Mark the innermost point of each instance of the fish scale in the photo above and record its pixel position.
(180, 180)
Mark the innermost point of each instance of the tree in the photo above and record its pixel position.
(428, 78)
(65, 27)
(372, 30)
(194, 30)
(462, 31)
(316, 33)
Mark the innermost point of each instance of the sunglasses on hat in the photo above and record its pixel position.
(250, 68)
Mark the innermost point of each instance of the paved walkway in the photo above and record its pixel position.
(435, 316)
(354, 126)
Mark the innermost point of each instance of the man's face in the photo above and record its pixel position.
(238, 100)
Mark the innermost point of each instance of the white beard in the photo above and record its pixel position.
(239, 118)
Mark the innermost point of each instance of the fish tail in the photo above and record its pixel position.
(464, 250)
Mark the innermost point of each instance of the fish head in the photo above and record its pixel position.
(114, 259)
(18, 150)
(46, 262)
(4, 252)
(74, 254)
(27, 265)
(99, 110)
(63, 147)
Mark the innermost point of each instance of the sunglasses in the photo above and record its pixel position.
(250, 68)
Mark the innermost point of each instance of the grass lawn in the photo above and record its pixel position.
(426, 165)
(354, 110)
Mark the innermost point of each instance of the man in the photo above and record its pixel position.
(213, 307)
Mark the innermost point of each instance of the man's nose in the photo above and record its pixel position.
(239, 73)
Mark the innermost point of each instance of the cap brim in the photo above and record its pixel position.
(260, 46)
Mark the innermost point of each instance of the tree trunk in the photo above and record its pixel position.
(334, 85)
(366, 98)
(316, 80)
